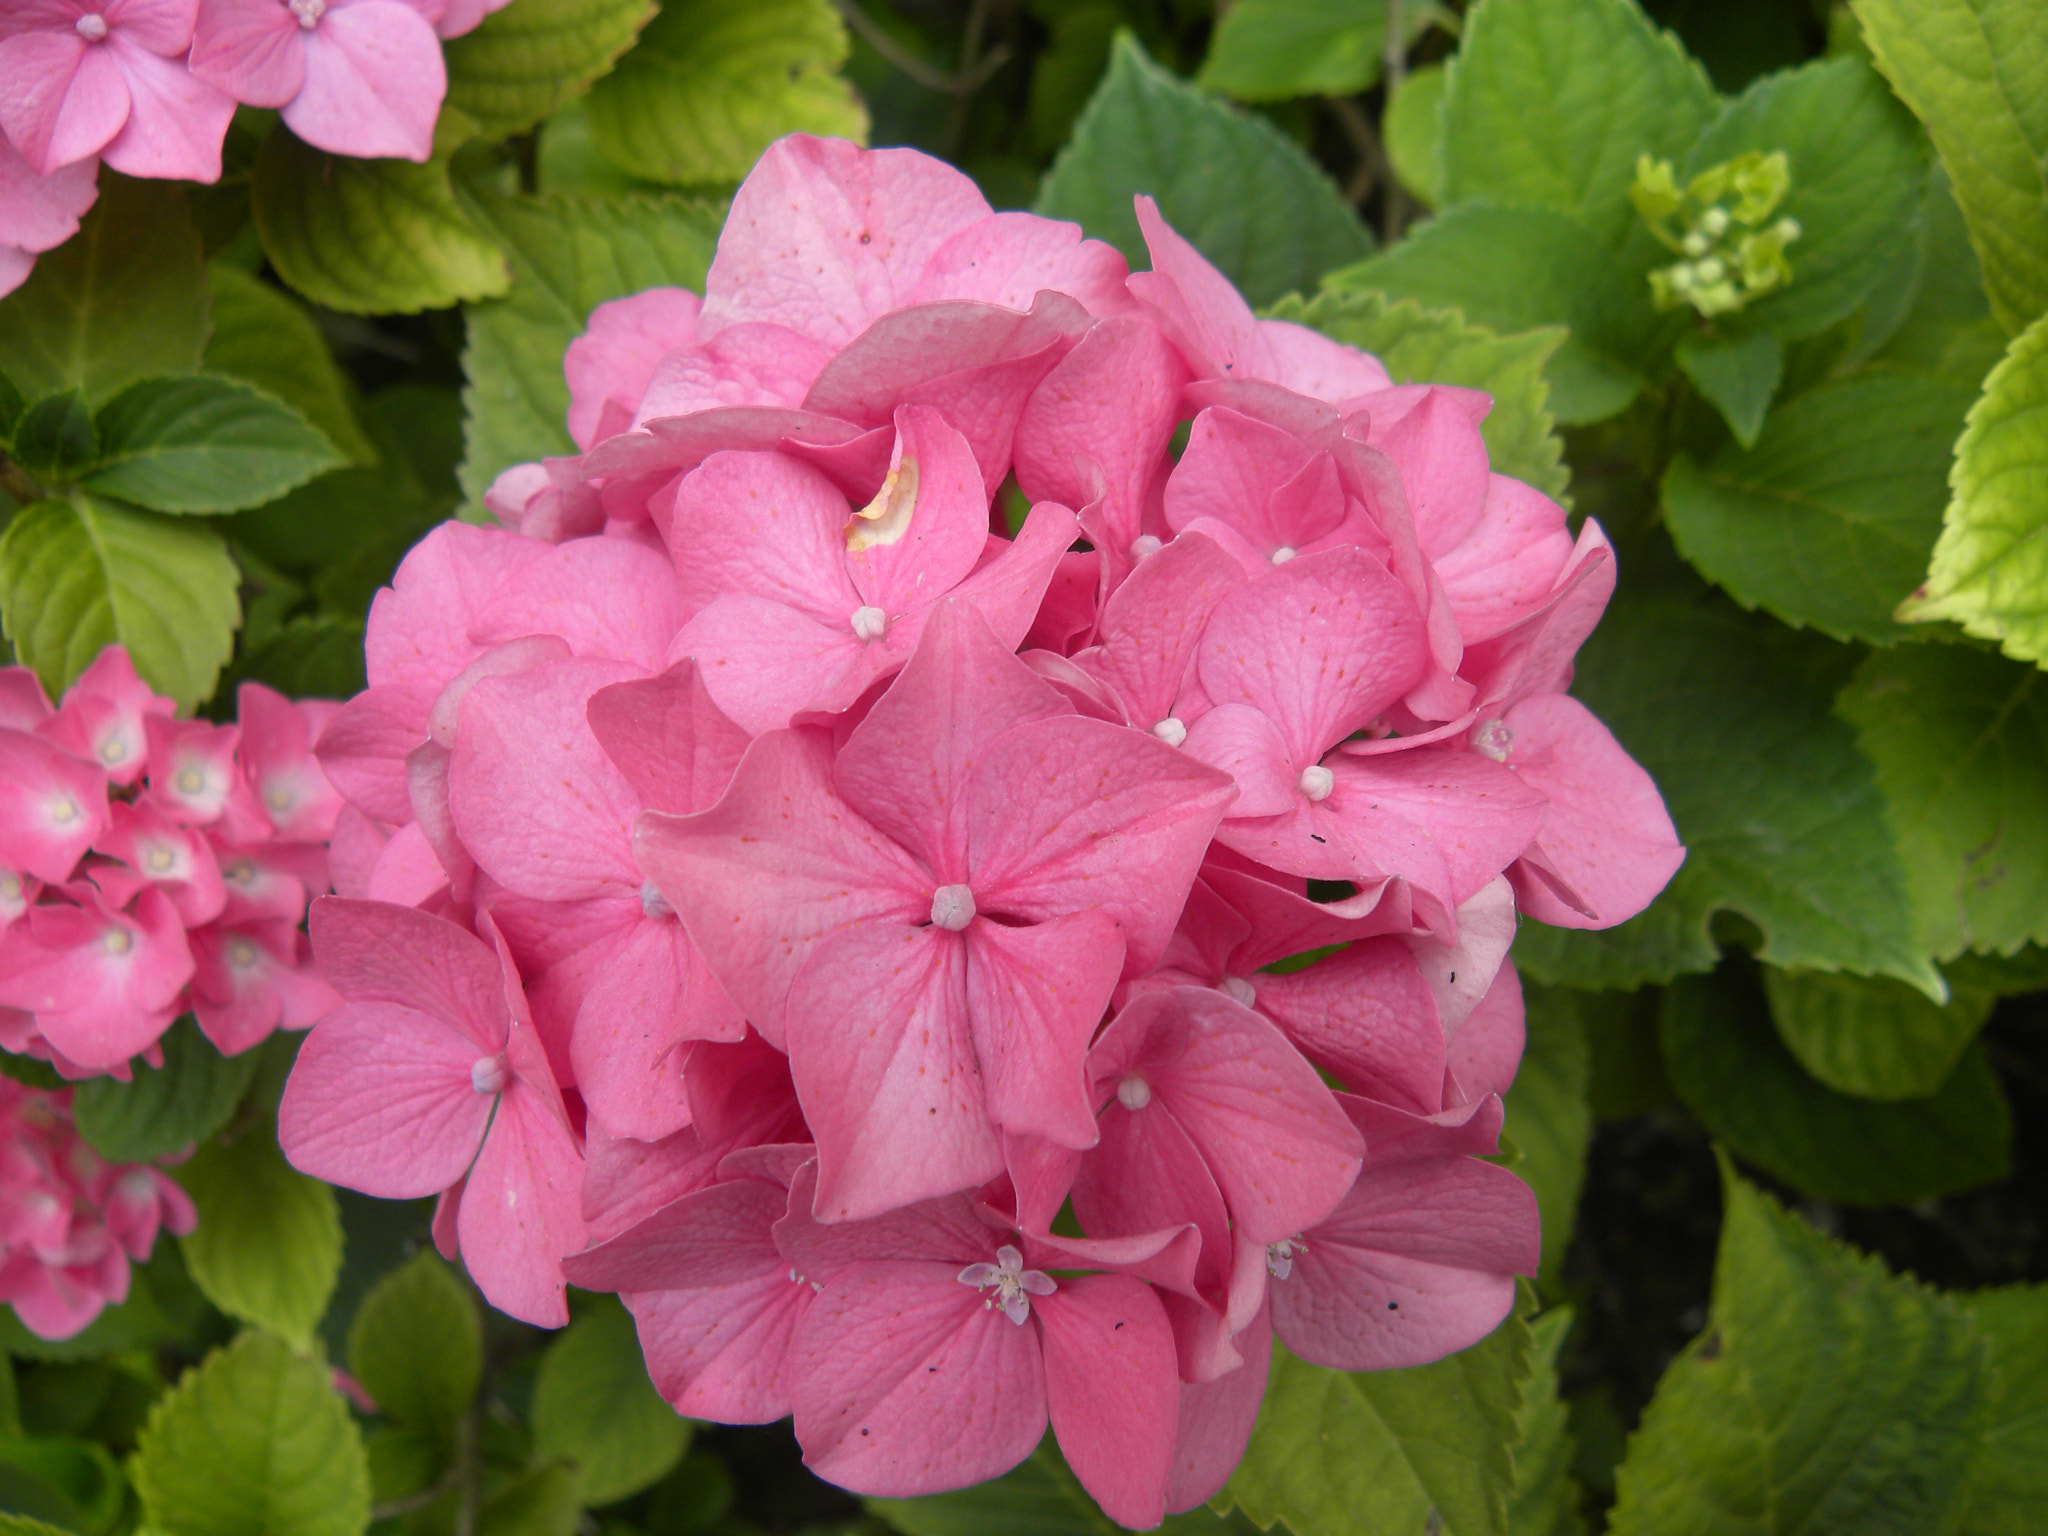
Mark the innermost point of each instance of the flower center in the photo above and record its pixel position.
(241, 872)
(489, 1074)
(92, 26)
(191, 781)
(1134, 1093)
(1494, 740)
(1014, 1284)
(114, 750)
(1171, 730)
(308, 12)
(1280, 1256)
(160, 860)
(1316, 782)
(869, 623)
(242, 955)
(10, 885)
(653, 903)
(1239, 990)
(64, 811)
(952, 907)
(1145, 544)
(118, 941)
(279, 797)
(1284, 553)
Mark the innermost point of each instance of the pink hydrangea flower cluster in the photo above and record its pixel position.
(151, 866)
(148, 87)
(775, 889)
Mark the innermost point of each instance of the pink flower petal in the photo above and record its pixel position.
(374, 82)
(1112, 1391)
(520, 1210)
(1035, 996)
(61, 98)
(176, 121)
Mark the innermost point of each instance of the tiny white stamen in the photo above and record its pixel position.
(1316, 782)
(1280, 1256)
(1494, 740)
(952, 907)
(160, 859)
(489, 1074)
(653, 903)
(869, 623)
(308, 12)
(1145, 544)
(1283, 554)
(1171, 731)
(191, 781)
(1014, 1284)
(1239, 990)
(92, 27)
(64, 811)
(118, 941)
(1134, 1093)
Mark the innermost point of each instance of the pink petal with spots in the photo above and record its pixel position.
(1112, 1391)
(1008, 258)
(604, 597)
(1506, 567)
(373, 951)
(723, 1353)
(520, 1209)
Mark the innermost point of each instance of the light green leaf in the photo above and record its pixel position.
(1546, 1498)
(1514, 269)
(371, 236)
(1412, 131)
(164, 1109)
(2008, 1482)
(319, 657)
(120, 300)
(1437, 346)
(1549, 1117)
(1736, 375)
(70, 1482)
(417, 1345)
(1871, 1036)
(570, 256)
(1039, 1497)
(55, 437)
(525, 62)
(254, 1441)
(1825, 1395)
(1826, 522)
(1976, 73)
(1732, 1070)
(1780, 814)
(1268, 50)
(710, 85)
(1338, 1452)
(77, 576)
(1990, 566)
(1242, 192)
(1549, 102)
(268, 1245)
(1960, 739)
(594, 1406)
(22, 1525)
(204, 444)
(261, 334)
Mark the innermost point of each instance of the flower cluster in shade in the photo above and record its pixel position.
(71, 1222)
(152, 867)
(818, 869)
(148, 87)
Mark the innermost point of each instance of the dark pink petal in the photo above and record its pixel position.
(1367, 1016)
(1009, 585)
(1431, 432)
(277, 761)
(1035, 996)
(1145, 1175)
(717, 1237)
(1507, 565)
(52, 807)
(176, 121)
(722, 1353)
(373, 951)
(943, 1230)
(158, 852)
(101, 718)
(253, 979)
(1153, 622)
(1467, 805)
(194, 778)
(1112, 1391)
(61, 98)
(1216, 1417)
(674, 745)
(652, 995)
(520, 1209)
(374, 82)
(1258, 479)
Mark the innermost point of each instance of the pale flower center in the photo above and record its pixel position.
(1171, 730)
(1280, 1256)
(1494, 740)
(279, 797)
(1145, 544)
(1284, 553)
(241, 872)
(10, 885)
(118, 941)
(1014, 1284)
(489, 1074)
(160, 860)
(952, 907)
(653, 903)
(114, 749)
(1134, 1093)
(869, 623)
(242, 955)
(64, 811)
(308, 12)
(1316, 782)
(1238, 990)
(92, 26)
(191, 781)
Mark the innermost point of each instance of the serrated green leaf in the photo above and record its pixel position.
(2008, 1481)
(1871, 1036)
(164, 1109)
(120, 300)
(570, 256)
(310, 658)
(1412, 131)
(1245, 195)
(1549, 102)
(370, 236)
(268, 1245)
(55, 437)
(594, 1406)
(79, 575)
(1736, 375)
(265, 337)
(1976, 73)
(521, 65)
(1732, 1070)
(710, 85)
(22, 1525)
(1437, 346)
(1549, 1117)
(1780, 813)
(254, 1441)
(1825, 1395)
(1546, 1498)
(1960, 740)
(1268, 50)
(417, 1345)
(1990, 567)
(204, 443)
(1337, 1452)
(1825, 523)
(1516, 269)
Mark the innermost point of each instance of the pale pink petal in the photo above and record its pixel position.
(716, 1237)
(751, 364)
(604, 597)
(1487, 1048)
(1505, 568)
(373, 951)
(1311, 364)
(925, 531)
(1216, 1418)
(61, 98)
(675, 746)
(176, 121)
(1007, 258)
(764, 662)
(1035, 996)
(1153, 622)
(40, 212)
(255, 50)
(652, 995)
(1197, 305)
(1366, 1015)
(374, 82)
(765, 525)
(520, 1210)
(419, 626)
(162, 26)
(622, 344)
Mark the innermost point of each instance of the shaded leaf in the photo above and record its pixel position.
(163, 1109)
(204, 444)
(594, 1407)
(526, 61)
(1871, 1036)
(2009, 1479)
(262, 335)
(268, 1245)
(55, 437)
(1736, 375)
(417, 1345)
(1267, 50)
(1549, 1117)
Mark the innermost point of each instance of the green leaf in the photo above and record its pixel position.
(1990, 566)
(1974, 72)
(319, 658)
(547, 1501)
(593, 1405)
(2008, 1482)
(1268, 50)
(710, 85)
(120, 300)
(417, 1345)
(164, 1109)
(371, 236)
(1736, 375)
(268, 1245)
(1242, 192)
(521, 65)
(265, 337)
(1732, 1070)
(1437, 346)
(69, 1482)
(22, 1525)
(1825, 1395)
(253, 1442)
(1945, 326)
(1338, 1452)
(570, 256)
(1546, 1497)
(1780, 814)
(1549, 102)
(1549, 1117)
(11, 406)
(77, 576)
(1514, 269)
(55, 437)
(1039, 1497)
(1856, 185)
(1827, 520)
(1960, 739)
(1412, 132)
(204, 444)
(1871, 1036)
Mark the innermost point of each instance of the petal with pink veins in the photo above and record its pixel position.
(374, 82)
(521, 1211)
(255, 50)
(176, 121)
(373, 951)
(1112, 1391)
(622, 344)
(61, 98)
(1035, 996)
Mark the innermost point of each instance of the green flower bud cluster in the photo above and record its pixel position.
(1720, 224)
